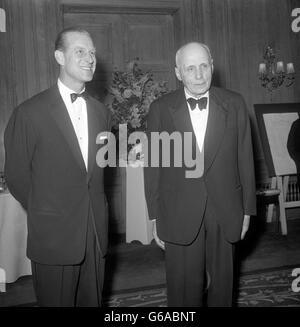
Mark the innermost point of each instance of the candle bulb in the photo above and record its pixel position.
(290, 68)
(279, 67)
(262, 68)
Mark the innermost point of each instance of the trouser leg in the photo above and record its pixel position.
(185, 272)
(55, 286)
(72, 285)
(219, 265)
(91, 275)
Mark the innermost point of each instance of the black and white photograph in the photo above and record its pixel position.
(149, 156)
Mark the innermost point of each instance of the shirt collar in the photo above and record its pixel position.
(187, 95)
(64, 90)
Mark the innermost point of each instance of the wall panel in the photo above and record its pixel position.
(252, 25)
(236, 30)
(27, 62)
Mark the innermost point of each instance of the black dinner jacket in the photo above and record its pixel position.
(178, 203)
(46, 173)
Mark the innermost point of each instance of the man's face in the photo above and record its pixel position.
(195, 69)
(78, 59)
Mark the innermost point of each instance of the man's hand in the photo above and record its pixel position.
(245, 227)
(158, 241)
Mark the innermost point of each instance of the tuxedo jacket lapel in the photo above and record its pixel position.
(183, 123)
(60, 114)
(216, 126)
(180, 114)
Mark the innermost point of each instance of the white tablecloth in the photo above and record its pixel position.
(13, 237)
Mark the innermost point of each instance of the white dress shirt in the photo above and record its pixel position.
(199, 119)
(78, 115)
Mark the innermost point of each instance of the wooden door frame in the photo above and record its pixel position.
(181, 10)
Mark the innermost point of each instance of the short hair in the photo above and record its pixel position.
(60, 42)
(179, 51)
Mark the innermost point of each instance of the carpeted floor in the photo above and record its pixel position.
(135, 273)
(269, 288)
(265, 288)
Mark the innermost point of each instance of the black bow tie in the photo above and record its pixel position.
(74, 96)
(202, 102)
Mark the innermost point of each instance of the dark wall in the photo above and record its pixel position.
(237, 32)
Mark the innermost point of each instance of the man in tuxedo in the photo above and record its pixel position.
(51, 169)
(199, 219)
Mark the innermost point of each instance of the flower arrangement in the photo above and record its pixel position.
(131, 93)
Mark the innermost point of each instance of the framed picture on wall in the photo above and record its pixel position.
(279, 128)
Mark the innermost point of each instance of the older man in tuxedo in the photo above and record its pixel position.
(51, 169)
(199, 220)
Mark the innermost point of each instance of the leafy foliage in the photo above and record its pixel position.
(132, 92)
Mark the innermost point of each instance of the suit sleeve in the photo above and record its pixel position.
(245, 160)
(293, 142)
(19, 142)
(151, 174)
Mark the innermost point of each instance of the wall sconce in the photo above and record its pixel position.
(273, 74)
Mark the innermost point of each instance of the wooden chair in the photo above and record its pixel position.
(272, 197)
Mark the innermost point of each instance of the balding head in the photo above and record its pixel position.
(194, 67)
(192, 46)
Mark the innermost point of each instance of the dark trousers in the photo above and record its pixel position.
(72, 285)
(204, 267)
